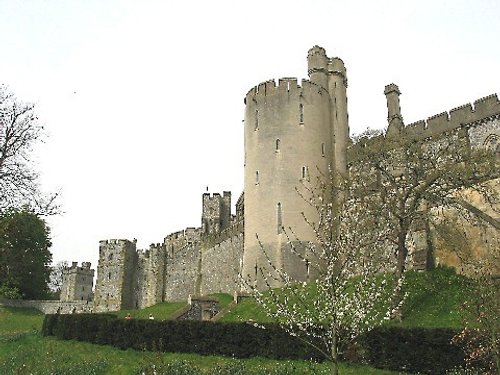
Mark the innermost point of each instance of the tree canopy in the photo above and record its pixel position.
(20, 130)
(24, 254)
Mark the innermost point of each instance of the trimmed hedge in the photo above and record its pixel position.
(239, 340)
(416, 350)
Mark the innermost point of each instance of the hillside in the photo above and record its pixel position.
(434, 300)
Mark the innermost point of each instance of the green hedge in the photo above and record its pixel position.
(415, 350)
(239, 340)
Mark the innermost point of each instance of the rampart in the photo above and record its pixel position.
(484, 109)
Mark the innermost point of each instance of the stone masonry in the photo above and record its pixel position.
(77, 283)
(293, 132)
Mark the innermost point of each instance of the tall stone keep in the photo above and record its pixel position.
(115, 275)
(216, 212)
(293, 133)
(77, 282)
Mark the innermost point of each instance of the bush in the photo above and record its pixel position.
(239, 340)
(10, 292)
(418, 350)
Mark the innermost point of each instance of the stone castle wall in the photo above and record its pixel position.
(182, 273)
(149, 279)
(482, 110)
(221, 265)
(292, 132)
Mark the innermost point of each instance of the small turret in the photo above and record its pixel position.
(317, 65)
(337, 88)
(394, 118)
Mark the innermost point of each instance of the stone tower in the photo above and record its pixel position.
(394, 118)
(293, 133)
(115, 275)
(77, 282)
(216, 212)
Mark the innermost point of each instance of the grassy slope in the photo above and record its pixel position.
(23, 351)
(434, 302)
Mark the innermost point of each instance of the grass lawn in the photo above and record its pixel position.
(434, 301)
(24, 351)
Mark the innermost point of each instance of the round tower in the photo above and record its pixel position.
(317, 66)
(337, 87)
(287, 144)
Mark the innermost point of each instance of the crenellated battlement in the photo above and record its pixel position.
(74, 266)
(115, 242)
(286, 85)
(483, 108)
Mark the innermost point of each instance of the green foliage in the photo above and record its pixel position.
(10, 292)
(24, 253)
(239, 340)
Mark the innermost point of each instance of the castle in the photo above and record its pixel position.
(293, 132)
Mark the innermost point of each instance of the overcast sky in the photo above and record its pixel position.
(143, 100)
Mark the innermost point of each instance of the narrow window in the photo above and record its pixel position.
(256, 177)
(278, 145)
(109, 276)
(256, 119)
(308, 268)
(279, 218)
(322, 149)
(305, 173)
(301, 113)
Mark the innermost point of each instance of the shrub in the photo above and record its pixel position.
(239, 340)
(419, 350)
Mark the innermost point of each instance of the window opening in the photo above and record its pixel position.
(305, 173)
(279, 218)
(278, 144)
(256, 119)
(301, 113)
(256, 177)
(322, 149)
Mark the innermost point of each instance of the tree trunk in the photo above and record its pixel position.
(402, 253)
(334, 355)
